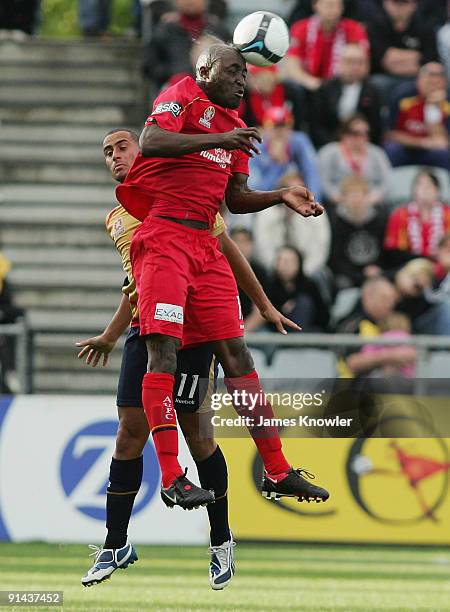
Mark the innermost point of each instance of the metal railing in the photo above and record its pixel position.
(334, 343)
(424, 345)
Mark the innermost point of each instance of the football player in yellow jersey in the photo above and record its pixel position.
(120, 148)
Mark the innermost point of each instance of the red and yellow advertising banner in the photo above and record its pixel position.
(384, 490)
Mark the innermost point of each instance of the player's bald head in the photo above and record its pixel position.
(210, 61)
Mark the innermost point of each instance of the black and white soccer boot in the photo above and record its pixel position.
(184, 493)
(222, 567)
(292, 484)
(107, 560)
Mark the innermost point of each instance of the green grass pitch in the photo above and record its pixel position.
(269, 578)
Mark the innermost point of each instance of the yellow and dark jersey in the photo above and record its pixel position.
(120, 225)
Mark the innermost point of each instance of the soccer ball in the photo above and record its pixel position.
(262, 38)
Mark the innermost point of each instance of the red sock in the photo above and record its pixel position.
(267, 439)
(157, 397)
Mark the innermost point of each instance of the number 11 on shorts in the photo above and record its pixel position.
(184, 377)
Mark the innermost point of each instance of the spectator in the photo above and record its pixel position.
(443, 39)
(18, 17)
(354, 154)
(421, 123)
(279, 225)
(9, 313)
(357, 233)
(414, 282)
(395, 325)
(316, 42)
(94, 16)
(344, 95)
(168, 51)
(264, 90)
(304, 8)
(283, 148)
(244, 239)
(378, 300)
(400, 43)
(414, 230)
(295, 294)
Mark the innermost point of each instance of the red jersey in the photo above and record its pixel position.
(191, 186)
(319, 50)
(407, 231)
(411, 116)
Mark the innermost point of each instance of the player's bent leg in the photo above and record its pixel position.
(280, 479)
(213, 474)
(125, 477)
(157, 397)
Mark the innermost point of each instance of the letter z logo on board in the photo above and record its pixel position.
(169, 312)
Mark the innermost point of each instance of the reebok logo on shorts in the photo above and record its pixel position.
(169, 312)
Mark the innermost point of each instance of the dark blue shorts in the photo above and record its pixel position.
(195, 378)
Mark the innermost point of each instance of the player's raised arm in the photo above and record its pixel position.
(247, 281)
(157, 142)
(241, 199)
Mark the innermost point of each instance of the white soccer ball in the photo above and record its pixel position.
(262, 38)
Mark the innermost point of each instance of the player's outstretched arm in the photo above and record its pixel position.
(248, 282)
(156, 142)
(100, 346)
(241, 199)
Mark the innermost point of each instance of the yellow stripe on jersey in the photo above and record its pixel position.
(120, 225)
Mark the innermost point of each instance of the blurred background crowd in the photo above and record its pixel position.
(359, 112)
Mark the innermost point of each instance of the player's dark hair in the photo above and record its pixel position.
(133, 134)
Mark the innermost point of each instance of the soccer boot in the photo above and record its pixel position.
(292, 484)
(222, 568)
(184, 493)
(107, 560)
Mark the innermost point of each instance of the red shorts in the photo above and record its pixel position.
(185, 286)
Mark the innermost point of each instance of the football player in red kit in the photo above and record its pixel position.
(195, 152)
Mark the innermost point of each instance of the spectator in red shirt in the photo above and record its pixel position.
(415, 230)
(421, 124)
(316, 43)
(265, 90)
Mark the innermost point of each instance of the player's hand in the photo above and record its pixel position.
(302, 201)
(95, 349)
(272, 315)
(243, 139)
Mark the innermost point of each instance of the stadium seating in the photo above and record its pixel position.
(402, 179)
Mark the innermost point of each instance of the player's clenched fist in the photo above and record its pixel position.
(302, 201)
(243, 139)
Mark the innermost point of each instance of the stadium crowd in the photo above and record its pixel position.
(363, 91)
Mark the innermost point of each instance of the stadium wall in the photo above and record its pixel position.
(54, 461)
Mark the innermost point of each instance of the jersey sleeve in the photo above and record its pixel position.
(396, 237)
(169, 108)
(240, 163)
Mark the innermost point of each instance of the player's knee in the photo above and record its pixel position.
(201, 448)
(131, 438)
(239, 361)
(162, 352)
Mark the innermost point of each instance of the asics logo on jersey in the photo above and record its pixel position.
(208, 116)
(169, 312)
(168, 107)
